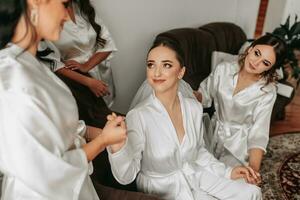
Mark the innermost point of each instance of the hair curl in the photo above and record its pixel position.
(87, 11)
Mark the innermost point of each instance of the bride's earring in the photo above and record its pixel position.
(34, 16)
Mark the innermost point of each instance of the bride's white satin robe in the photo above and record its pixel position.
(167, 168)
(40, 135)
(241, 121)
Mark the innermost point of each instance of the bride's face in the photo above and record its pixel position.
(163, 69)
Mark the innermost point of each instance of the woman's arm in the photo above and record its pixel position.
(258, 136)
(98, 87)
(255, 158)
(84, 80)
(95, 60)
(208, 87)
(125, 160)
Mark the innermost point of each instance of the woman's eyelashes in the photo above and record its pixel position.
(151, 64)
(167, 65)
(257, 53)
(267, 63)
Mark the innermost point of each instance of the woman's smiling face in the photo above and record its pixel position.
(163, 69)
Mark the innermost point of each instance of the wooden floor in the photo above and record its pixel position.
(291, 123)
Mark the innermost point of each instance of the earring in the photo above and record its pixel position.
(34, 16)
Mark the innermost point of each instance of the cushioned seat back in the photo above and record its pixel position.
(228, 37)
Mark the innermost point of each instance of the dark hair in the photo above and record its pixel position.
(10, 14)
(171, 44)
(295, 44)
(279, 47)
(88, 13)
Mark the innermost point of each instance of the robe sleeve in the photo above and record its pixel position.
(208, 87)
(105, 34)
(53, 59)
(33, 149)
(126, 163)
(205, 159)
(258, 136)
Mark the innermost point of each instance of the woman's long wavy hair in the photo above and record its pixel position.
(87, 11)
(10, 14)
(279, 47)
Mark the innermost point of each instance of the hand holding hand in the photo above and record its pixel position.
(114, 131)
(247, 173)
(117, 146)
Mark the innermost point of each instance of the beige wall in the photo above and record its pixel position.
(274, 15)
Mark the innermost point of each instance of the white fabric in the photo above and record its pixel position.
(241, 121)
(41, 136)
(146, 90)
(280, 73)
(284, 90)
(219, 57)
(77, 43)
(167, 168)
(244, 47)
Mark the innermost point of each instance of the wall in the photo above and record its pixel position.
(275, 15)
(292, 8)
(134, 24)
(278, 11)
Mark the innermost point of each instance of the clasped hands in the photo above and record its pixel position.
(246, 172)
(116, 146)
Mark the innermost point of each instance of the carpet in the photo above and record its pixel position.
(281, 168)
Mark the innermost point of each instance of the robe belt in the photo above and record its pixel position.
(224, 129)
(233, 137)
(186, 169)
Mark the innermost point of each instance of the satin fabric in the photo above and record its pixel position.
(41, 137)
(241, 121)
(77, 42)
(163, 166)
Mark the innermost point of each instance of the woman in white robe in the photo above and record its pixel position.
(43, 152)
(87, 45)
(243, 93)
(165, 148)
(81, 58)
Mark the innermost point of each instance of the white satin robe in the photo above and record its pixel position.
(241, 121)
(166, 168)
(77, 41)
(40, 134)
